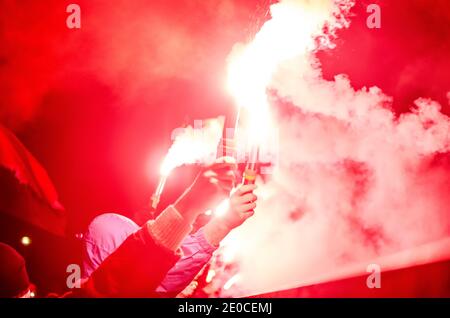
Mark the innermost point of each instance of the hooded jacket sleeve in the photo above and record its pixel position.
(135, 269)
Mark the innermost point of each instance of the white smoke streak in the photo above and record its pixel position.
(353, 181)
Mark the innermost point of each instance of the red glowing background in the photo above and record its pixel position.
(96, 106)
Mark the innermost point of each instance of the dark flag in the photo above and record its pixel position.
(40, 206)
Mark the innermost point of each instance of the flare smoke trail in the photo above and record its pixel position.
(354, 181)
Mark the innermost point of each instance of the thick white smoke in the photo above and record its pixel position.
(353, 181)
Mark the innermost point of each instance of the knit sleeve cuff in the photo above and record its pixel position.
(169, 228)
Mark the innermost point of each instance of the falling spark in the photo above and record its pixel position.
(210, 275)
(231, 282)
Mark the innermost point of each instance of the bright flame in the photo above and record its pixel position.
(191, 145)
(251, 67)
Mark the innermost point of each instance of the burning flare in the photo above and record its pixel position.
(192, 145)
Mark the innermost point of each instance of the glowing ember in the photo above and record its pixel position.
(210, 275)
(222, 208)
(25, 240)
(231, 282)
